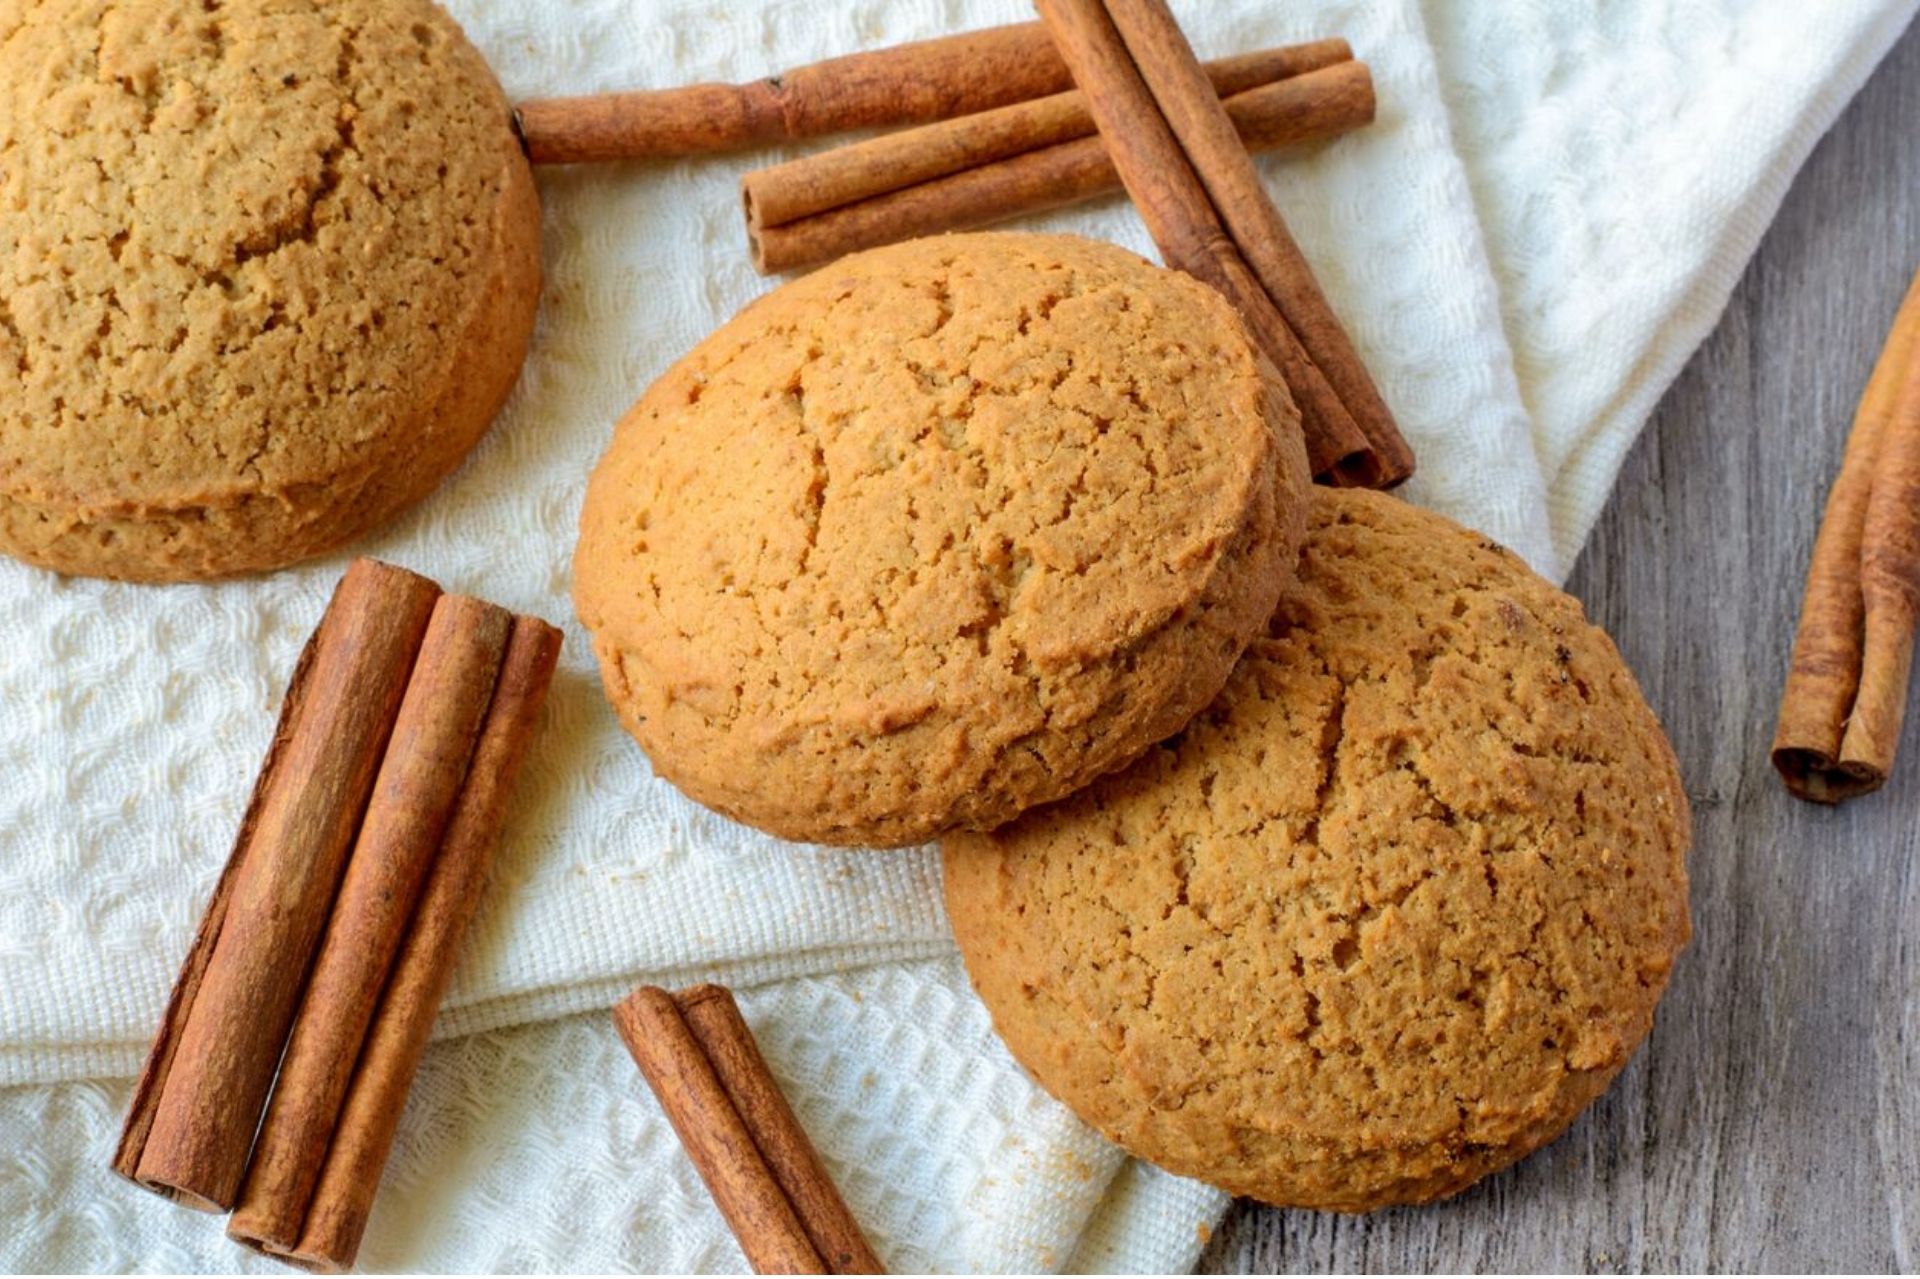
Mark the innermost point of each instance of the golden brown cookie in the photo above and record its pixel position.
(1386, 915)
(939, 532)
(271, 271)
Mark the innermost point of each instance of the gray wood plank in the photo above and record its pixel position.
(1773, 1120)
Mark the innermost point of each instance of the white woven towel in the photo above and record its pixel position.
(1548, 216)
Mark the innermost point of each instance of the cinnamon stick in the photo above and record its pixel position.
(1846, 692)
(1179, 87)
(722, 1033)
(987, 186)
(200, 1095)
(715, 1136)
(1174, 205)
(905, 84)
(342, 1199)
(419, 782)
(830, 179)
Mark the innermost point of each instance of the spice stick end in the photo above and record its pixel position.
(1820, 779)
(1359, 470)
(253, 1227)
(757, 251)
(640, 1011)
(750, 207)
(313, 1262)
(1362, 76)
(182, 1196)
(704, 993)
(383, 581)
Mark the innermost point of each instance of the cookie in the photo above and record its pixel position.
(273, 270)
(939, 532)
(1386, 915)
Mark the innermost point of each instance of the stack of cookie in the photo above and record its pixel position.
(1302, 841)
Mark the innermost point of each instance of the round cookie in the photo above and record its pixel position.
(273, 271)
(1386, 915)
(939, 532)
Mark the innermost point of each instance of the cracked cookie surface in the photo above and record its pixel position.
(939, 532)
(271, 271)
(1386, 915)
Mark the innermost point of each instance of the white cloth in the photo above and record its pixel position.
(1548, 216)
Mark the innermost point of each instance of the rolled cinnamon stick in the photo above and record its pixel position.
(716, 1138)
(1889, 590)
(1180, 88)
(419, 782)
(1310, 107)
(200, 1095)
(831, 179)
(722, 1033)
(342, 1200)
(1174, 205)
(905, 84)
(1846, 690)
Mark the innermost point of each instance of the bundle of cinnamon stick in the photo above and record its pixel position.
(979, 169)
(1846, 692)
(700, 1059)
(332, 932)
(1013, 137)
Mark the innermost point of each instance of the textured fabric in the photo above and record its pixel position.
(538, 1148)
(1549, 214)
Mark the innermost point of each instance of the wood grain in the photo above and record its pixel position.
(1773, 1121)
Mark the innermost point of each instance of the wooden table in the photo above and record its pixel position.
(1773, 1120)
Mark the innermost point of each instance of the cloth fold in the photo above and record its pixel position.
(1548, 215)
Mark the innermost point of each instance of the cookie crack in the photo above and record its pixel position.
(943, 301)
(23, 357)
(1333, 736)
(303, 226)
(1443, 812)
(814, 501)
